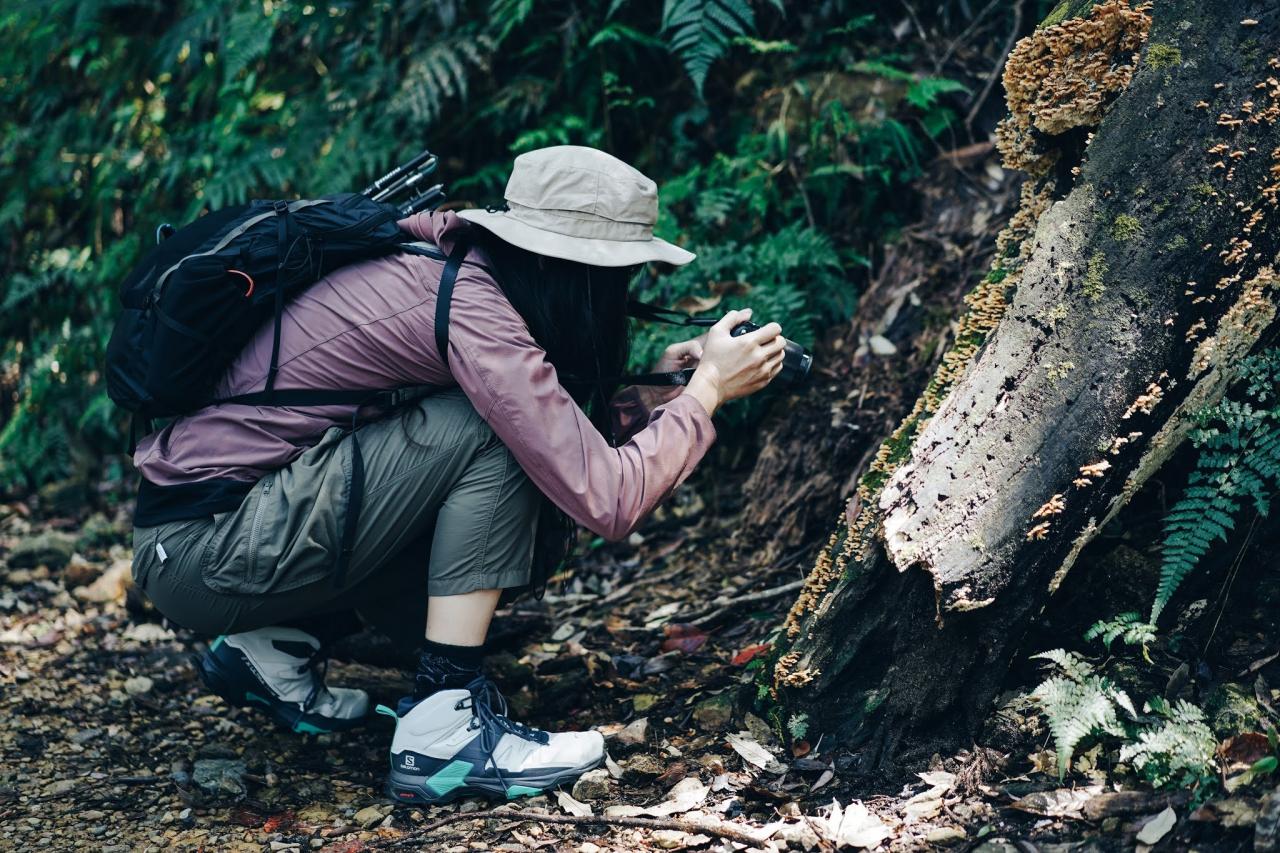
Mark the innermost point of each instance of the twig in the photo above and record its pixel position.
(964, 34)
(723, 605)
(995, 72)
(719, 830)
(136, 780)
(1231, 578)
(924, 38)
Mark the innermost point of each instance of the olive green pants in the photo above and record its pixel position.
(446, 510)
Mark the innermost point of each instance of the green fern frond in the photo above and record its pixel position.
(1072, 665)
(1129, 627)
(1078, 704)
(1239, 462)
(700, 32)
(1179, 751)
(247, 37)
(439, 74)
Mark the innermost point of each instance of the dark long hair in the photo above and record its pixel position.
(578, 314)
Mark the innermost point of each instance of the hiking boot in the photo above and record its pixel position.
(281, 671)
(460, 743)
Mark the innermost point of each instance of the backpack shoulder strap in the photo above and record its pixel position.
(444, 296)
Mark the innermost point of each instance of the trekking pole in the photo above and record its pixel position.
(428, 198)
(382, 183)
(407, 182)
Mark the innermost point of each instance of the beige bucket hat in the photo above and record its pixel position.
(580, 204)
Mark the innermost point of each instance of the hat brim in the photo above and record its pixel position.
(584, 250)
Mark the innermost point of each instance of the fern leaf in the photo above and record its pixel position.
(440, 73)
(1074, 710)
(1179, 751)
(700, 32)
(248, 36)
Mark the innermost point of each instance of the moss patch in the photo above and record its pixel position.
(1126, 228)
(1095, 277)
(1163, 56)
(1064, 10)
(1178, 243)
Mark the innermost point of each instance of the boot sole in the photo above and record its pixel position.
(227, 675)
(415, 790)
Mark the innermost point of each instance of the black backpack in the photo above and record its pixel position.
(192, 304)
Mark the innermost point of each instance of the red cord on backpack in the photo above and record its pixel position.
(247, 278)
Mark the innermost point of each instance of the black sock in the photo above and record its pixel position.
(445, 667)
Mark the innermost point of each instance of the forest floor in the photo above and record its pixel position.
(109, 741)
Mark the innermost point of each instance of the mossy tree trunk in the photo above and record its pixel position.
(1137, 271)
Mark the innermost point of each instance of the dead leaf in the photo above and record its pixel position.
(917, 810)
(827, 776)
(684, 638)
(749, 653)
(940, 782)
(1242, 750)
(110, 585)
(1063, 802)
(928, 803)
(673, 774)
(730, 288)
(1045, 761)
(572, 806)
(853, 826)
(688, 793)
(751, 751)
(1258, 664)
(695, 304)
(1158, 827)
(1232, 813)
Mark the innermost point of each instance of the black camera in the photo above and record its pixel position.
(796, 360)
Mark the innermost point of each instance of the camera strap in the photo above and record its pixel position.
(658, 314)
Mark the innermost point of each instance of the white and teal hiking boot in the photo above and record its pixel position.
(281, 671)
(460, 743)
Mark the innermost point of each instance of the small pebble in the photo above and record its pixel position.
(139, 685)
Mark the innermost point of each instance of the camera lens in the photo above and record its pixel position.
(796, 362)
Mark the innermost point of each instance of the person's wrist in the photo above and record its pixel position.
(705, 388)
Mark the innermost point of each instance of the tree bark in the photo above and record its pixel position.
(1138, 270)
(868, 372)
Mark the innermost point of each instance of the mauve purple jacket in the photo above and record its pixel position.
(371, 325)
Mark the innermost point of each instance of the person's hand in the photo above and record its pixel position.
(681, 355)
(736, 367)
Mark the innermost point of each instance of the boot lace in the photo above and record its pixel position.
(318, 666)
(485, 697)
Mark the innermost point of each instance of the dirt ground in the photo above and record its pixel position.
(110, 742)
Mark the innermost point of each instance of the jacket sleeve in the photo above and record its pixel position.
(508, 379)
(631, 408)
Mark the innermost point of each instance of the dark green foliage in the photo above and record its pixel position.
(700, 31)
(1176, 749)
(1129, 628)
(1238, 468)
(1166, 745)
(1078, 703)
(122, 114)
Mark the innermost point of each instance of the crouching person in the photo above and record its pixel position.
(242, 514)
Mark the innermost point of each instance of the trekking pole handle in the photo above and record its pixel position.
(430, 197)
(406, 181)
(395, 173)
